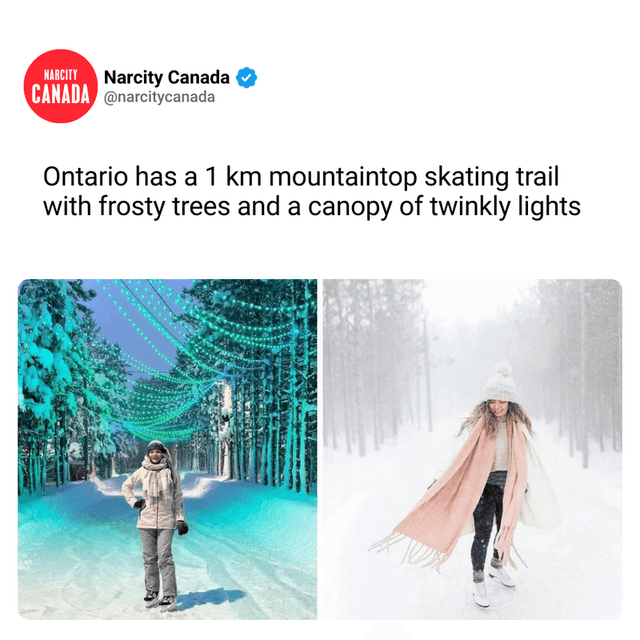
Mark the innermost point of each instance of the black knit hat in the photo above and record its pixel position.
(156, 444)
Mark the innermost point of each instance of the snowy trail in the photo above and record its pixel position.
(249, 554)
(574, 571)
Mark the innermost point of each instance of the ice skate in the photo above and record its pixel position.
(151, 599)
(480, 594)
(168, 603)
(499, 574)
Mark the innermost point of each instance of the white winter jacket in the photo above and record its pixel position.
(159, 513)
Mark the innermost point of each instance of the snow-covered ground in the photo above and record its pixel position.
(574, 571)
(250, 554)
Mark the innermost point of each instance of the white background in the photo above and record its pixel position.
(408, 85)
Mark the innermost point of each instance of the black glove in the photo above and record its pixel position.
(140, 504)
(182, 527)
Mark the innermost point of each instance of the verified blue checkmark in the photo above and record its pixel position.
(246, 77)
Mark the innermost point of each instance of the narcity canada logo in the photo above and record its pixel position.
(60, 86)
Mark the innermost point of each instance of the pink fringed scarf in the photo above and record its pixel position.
(436, 523)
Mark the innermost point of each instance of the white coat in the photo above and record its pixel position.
(158, 513)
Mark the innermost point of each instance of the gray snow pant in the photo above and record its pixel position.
(158, 560)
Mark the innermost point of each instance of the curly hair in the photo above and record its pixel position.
(489, 421)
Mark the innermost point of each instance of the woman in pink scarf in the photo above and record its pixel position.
(487, 480)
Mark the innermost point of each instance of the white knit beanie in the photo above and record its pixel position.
(500, 385)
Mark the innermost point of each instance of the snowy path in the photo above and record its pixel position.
(574, 571)
(249, 554)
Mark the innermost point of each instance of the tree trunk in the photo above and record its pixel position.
(20, 473)
(304, 394)
(234, 441)
(64, 446)
(242, 452)
(427, 368)
(583, 375)
(266, 431)
(292, 444)
(374, 349)
(279, 481)
(43, 465)
(85, 422)
(56, 452)
(253, 453)
(328, 394)
(356, 361)
(343, 335)
(32, 468)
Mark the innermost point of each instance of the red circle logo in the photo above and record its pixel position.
(60, 86)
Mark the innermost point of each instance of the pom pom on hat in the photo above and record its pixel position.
(502, 367)
(500, 385)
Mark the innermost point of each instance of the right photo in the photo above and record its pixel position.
(472, 449)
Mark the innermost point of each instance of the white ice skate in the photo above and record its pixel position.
(480, 594)
(502, 577)
(168, 603)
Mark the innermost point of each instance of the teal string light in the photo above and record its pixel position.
(144, 336)
(155, 409)
(156, 373)
(170, 433)
(232, 300)
(152, 418)
(210, 344)
(195, 352)
(201, 314)
(162, 393)
(162, 316)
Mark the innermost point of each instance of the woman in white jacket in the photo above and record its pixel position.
(161, 512)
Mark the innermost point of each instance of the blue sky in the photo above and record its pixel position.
(116, 328)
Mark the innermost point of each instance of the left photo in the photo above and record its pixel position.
(167, 449)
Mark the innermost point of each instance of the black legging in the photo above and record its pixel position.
(490, 504)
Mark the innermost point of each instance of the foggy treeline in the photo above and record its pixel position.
(371, 345)
(389, 368)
